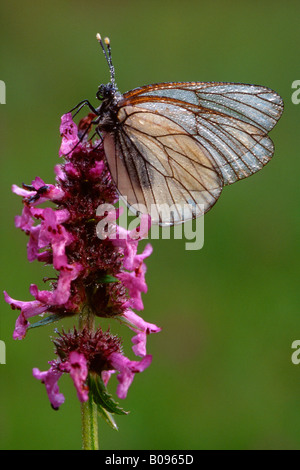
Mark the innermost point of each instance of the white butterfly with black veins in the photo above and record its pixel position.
(177, 144)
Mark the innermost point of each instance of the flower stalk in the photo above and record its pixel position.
(89, 413)
(89, 424)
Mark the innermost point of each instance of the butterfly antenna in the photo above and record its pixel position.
(107, 57)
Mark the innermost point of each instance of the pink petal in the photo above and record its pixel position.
(32, 245)
(28, 309)
(106, 375)
(22, 191)
(77, 367)
(143, 329)
(138, 259)
(38, 183)
(24, 221)
(60, 174)
(50, 379)
(62, 292)
(68, 131)
(127, 370)
(71, 170)
(97, 170)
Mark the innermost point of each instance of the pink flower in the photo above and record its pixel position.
(142, 328)
(39, 192)
(128, 241)
(45, 300)
(135, 280)
(69, 133)
(50, 379)
(133, 273)
(77, 367)
(53, 234)
(61, 294)
(28, 309)
(127, 369)
(84, 352)
(97, 169)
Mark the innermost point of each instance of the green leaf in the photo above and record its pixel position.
(102, 398)
(47, 320)
(107, 279)
(108, 417)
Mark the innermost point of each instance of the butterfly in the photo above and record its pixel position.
(172, 147)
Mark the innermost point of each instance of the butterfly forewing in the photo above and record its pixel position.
(178, 144)
(156, 164)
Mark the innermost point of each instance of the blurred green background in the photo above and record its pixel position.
(221, 376)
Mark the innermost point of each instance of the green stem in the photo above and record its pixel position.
(89, 421)
(89, 424)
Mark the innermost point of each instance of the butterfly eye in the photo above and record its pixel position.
(100, 93)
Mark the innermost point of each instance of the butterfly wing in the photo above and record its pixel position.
(178, 144)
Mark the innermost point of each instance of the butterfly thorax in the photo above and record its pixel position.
(108, 109)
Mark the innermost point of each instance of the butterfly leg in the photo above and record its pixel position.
(80, 105)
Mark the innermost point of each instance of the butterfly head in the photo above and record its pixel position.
(106, 92)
